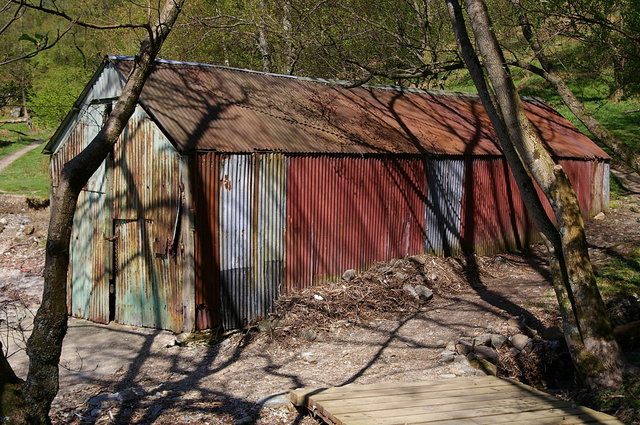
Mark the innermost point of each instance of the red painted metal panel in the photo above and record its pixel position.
(583, 177)
(493, 214)
(349, 212)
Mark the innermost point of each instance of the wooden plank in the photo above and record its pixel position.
(357, 405)
(399, 409)
(477, 400)
(413, 417)
(353, 391)
(394, 386)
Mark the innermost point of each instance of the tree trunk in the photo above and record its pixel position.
(289, 56)
(588, 332)
(263, 43)
(50, 324)
(577, 108)
(523, 180)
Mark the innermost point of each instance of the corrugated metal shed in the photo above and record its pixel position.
(230, 186)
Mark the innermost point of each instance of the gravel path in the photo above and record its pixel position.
(7, 160)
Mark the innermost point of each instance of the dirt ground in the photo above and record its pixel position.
(121, 374)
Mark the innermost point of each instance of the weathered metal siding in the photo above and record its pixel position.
(240, 217)
(88, 280)
(606, 186)
(494, 217)
(146, 206)
(205, 189)
(445, 178)
(587, 178)
(345, 212)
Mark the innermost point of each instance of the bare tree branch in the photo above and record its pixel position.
(77, 21)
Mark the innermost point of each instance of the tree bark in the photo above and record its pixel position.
(577, 108)
(263, 43)
(50, 324)
(588, 332)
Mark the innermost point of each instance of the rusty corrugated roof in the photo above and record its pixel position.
(205, 107)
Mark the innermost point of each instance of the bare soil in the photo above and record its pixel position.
(365, 330)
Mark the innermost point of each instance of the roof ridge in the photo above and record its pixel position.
(327, 81)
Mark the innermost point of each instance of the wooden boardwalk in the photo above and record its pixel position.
(474, 400)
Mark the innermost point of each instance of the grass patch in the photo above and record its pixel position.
(593, 93)
(624, 402)
(20, 133)
(620, 275)
(28, 175)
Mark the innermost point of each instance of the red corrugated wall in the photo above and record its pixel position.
(494, 217)
(349, 212)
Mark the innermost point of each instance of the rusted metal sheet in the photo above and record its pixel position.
(445, 178)
(205, 183)
(146, 207)
(237, 283)
(239, 202)
(146, 291)
(87, 284)
(79, 136)
(581, 174)
(269, 228)
(230, 110)
(89, 252)
(347, 212)
(494, 217)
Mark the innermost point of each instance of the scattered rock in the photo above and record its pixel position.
(484, 339)
(497, 341)
(349, 275)
(463, 348)
(95, 412)
(520, 341)
(401, 276)
(433, 277)
(275, 401)
(447, 353)
(448, 375)
(599, 216)
(486, 353)
(451, 346)
(29, 230)
(423, 292)
(447, 359)
(410, 290)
